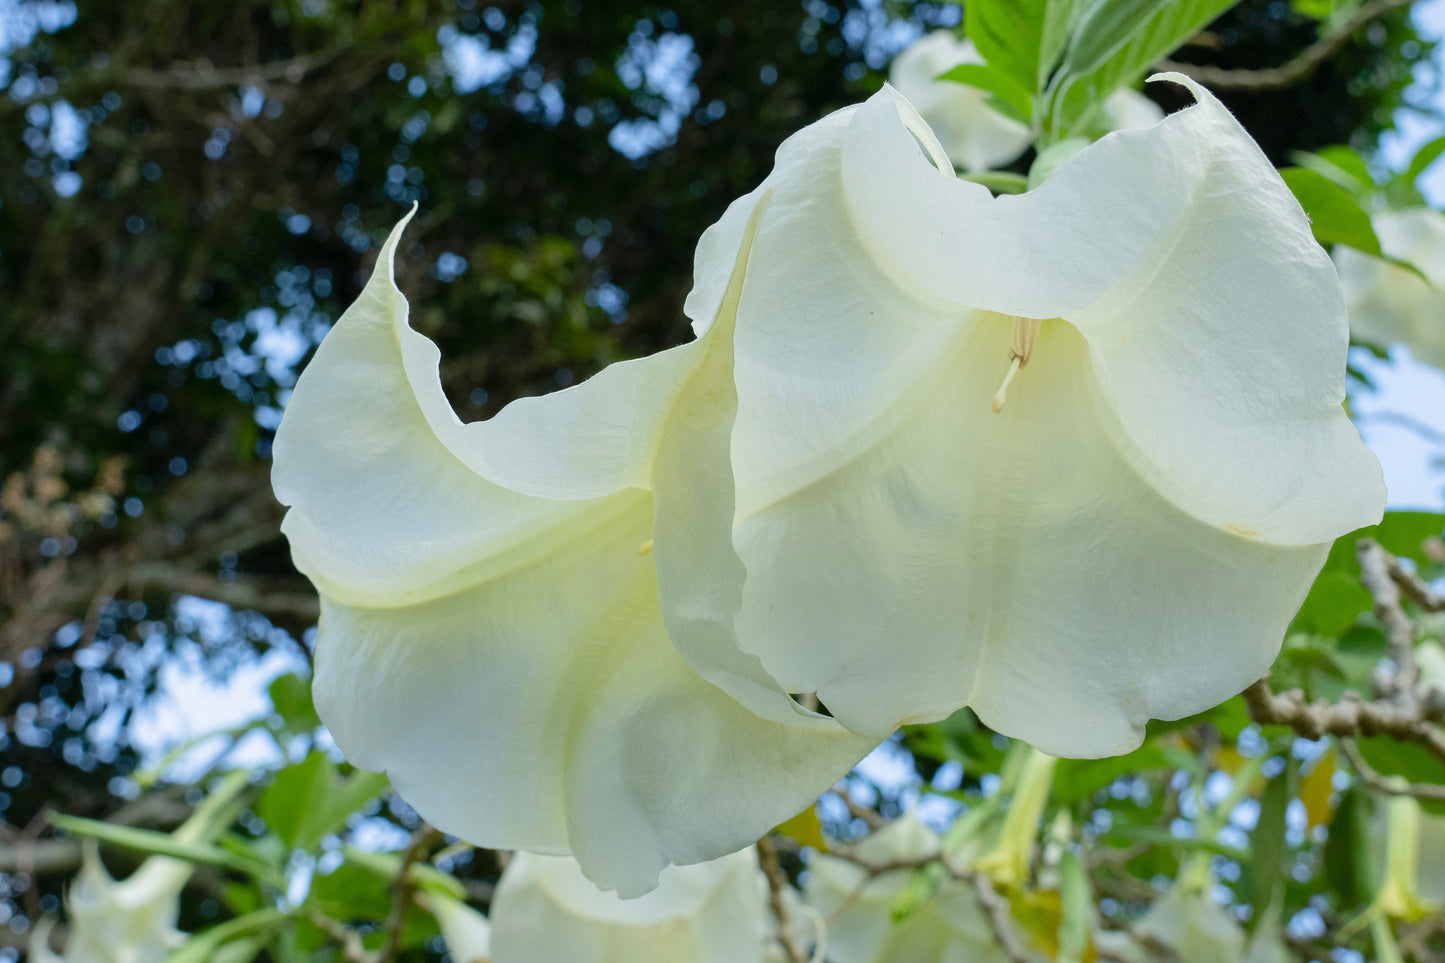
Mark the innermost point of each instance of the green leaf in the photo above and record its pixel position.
(1314, 9)
(1336, 599)
(352, 891)
(996, 82)
(1266, 843)
(202, 947)
(291, 697)
(1116, 43)
(1077, 898)
(1021, 39)
(1349, 863)
(311, 799)
(160, 844)
(1410, 761)
(1339, 164)
(1423, 158)
(1336, 216)
(1077, 779)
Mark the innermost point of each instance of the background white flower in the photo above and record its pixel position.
(119, 921)
(974, 135)
(545, 910)
(1389, 304)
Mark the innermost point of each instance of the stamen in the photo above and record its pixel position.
(645, 548)
(1021, 348)
(1026, 333)
(1002, 395)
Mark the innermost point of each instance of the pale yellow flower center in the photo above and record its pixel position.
(1021, 348)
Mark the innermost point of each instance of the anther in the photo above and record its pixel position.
(645, 548)
(1021, 348)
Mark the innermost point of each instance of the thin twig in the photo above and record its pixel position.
(1393, 787)
(996, 911)
(403, 888)
(206, 77)
(777, 885)
(1414, 587)
(864, 813)
(1309, 60)
(1375, 575)
(352, 949)
(995, 907)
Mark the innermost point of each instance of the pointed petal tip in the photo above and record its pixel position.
(1201, 93)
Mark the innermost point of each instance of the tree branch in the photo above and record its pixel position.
(1392, 787)
(403, 889)
(1351, 716)
(777, 885)
(1308, 61)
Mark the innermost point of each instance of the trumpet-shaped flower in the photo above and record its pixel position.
(950, 927)
(545, 909)
(1387, 302)
(974, 135)
(1071, 457)
(468, 934)
(528, 622)
(126, 921)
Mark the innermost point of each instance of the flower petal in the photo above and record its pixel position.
(546, 910)
(975, 136)
(1215, 324)
(503, 655)
(1015, 563)
(910, 552)
(1389, 304)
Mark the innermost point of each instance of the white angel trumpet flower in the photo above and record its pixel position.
(974, 135)
(528, 622)
(545, 910)
(126, 921)
(1128, 536)
(467, 933)
(858, 908)
(1389, 304)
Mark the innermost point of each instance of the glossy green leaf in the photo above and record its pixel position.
(1021, 39)
(1340, 164)
(1005, 87)
(1336, 216)
(1115, 44)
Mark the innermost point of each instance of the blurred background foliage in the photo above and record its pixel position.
(191, 192)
